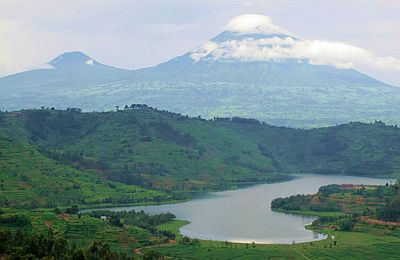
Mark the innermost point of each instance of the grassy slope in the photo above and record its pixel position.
(110, 136)
(83, 230)
(164, 150)
(351, 149)
(30, 179)
(167, 151)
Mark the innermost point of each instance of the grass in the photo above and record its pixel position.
(60, 158)
(174, 226)
(169, 152)
(349, 245)
(84, 229)
(366, 241)
(369, 242)
(29, 179)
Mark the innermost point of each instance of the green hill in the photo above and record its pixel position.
(166, 151)
(30, 180)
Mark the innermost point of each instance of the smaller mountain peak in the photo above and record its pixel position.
(255, 24)
(72, 59)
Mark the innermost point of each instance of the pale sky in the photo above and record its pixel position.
(133, 34)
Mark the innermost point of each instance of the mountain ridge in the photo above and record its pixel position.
(252, 69)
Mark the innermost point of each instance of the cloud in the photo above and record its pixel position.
(135, 33)
(317, 52)
(254, 23)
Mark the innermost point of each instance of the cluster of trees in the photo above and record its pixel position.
(347, 224)
(305, 203)
(76, 158)
(72, 210)
(74, 109)
(21, 245)
(295, 202)
(189, 241)
(344, 223)
(15, 220)
(378, 191)
(330, 189)
(391, 210)
(134, 106)
(131, 199)
(320, 202)
(70, 109)
(137, 218)
(166, 132)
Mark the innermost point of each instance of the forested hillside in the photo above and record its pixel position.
(54, 161)
(31, 180)
(160, 150)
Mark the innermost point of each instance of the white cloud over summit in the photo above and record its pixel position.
(270, 47)
(135, 34)
(254, 23)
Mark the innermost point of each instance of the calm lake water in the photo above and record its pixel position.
(244, 215)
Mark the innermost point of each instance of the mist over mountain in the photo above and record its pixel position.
(252, 69)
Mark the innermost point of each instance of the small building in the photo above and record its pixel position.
(104, 218)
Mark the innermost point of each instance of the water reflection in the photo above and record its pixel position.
(244, 215)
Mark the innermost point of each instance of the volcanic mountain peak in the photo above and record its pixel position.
(72, 60)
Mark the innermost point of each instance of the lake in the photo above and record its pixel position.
(244, 215)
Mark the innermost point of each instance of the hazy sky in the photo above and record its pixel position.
(133, 34)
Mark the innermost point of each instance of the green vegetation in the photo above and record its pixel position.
(365, 210)
(19, 245)
(118, 233)
(288, 94)
(139, 219)
(369, 243)
(145, 147)
(53, 162)
(359, 200)
(349, 236)
(103, 158)
(169, 152)
(31, 180)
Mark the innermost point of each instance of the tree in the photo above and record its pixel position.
(391, 210)
(346, 224)
(99, 250)
(79, 255)
(152, 255)
(72, 210)
(116, 221)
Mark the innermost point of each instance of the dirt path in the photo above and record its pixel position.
(138, 251)
(379, 222)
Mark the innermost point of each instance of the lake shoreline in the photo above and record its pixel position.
(197, 194)
(240, 185)
(295, 223)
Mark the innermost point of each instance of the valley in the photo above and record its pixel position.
(54, 162)
(155, 130)
(179, 155)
